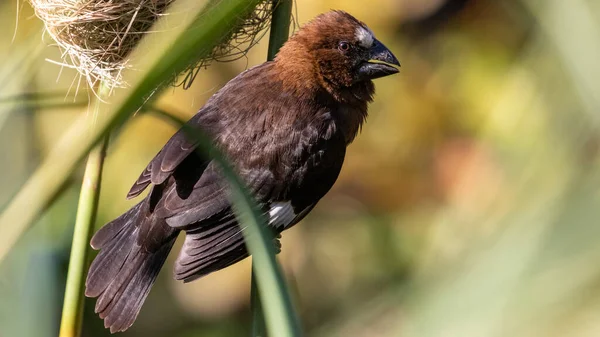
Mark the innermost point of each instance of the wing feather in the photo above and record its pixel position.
(168, 159)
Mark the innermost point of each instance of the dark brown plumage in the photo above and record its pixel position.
(284, 125)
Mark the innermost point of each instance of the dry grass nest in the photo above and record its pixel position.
(96, 36)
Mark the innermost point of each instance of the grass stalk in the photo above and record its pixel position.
(70, 325)
(87, 209)
(280, 26)
(280, 29)
(258, 319)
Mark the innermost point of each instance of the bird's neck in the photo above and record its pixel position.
(295, 70)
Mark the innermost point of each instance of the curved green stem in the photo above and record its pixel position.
(73, 304)
(258, 319)
(280, 29)
(70, 325)
(280, 26)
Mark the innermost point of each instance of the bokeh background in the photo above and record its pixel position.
(469, 206)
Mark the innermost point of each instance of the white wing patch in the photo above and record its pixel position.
(365, 37)
(281, 214)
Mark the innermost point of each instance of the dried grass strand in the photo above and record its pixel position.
(96, 36)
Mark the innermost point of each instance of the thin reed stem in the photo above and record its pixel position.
(87, 208)
(280, 29)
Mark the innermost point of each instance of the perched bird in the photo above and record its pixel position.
(284, 125)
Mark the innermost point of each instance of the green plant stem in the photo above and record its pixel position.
(280, 29)
(281, 319)
(40, 97)
(87, 209)
(258, 320)
(280, 26)
(70, 325)
(50, 106)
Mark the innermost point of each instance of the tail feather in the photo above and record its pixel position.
(116, 286)
(120, 304)
(108, 232)
(109, 262)
(123, 272)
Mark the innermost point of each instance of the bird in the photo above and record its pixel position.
(284, 126)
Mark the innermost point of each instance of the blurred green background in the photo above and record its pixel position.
(469, 206)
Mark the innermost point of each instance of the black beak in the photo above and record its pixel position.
(372, 70)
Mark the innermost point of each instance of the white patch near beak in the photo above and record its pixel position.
(364, 36)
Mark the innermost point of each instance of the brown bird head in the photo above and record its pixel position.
(337, 51)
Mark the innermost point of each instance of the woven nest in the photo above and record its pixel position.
(96, 36)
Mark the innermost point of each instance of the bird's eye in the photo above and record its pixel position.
(344, 46)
